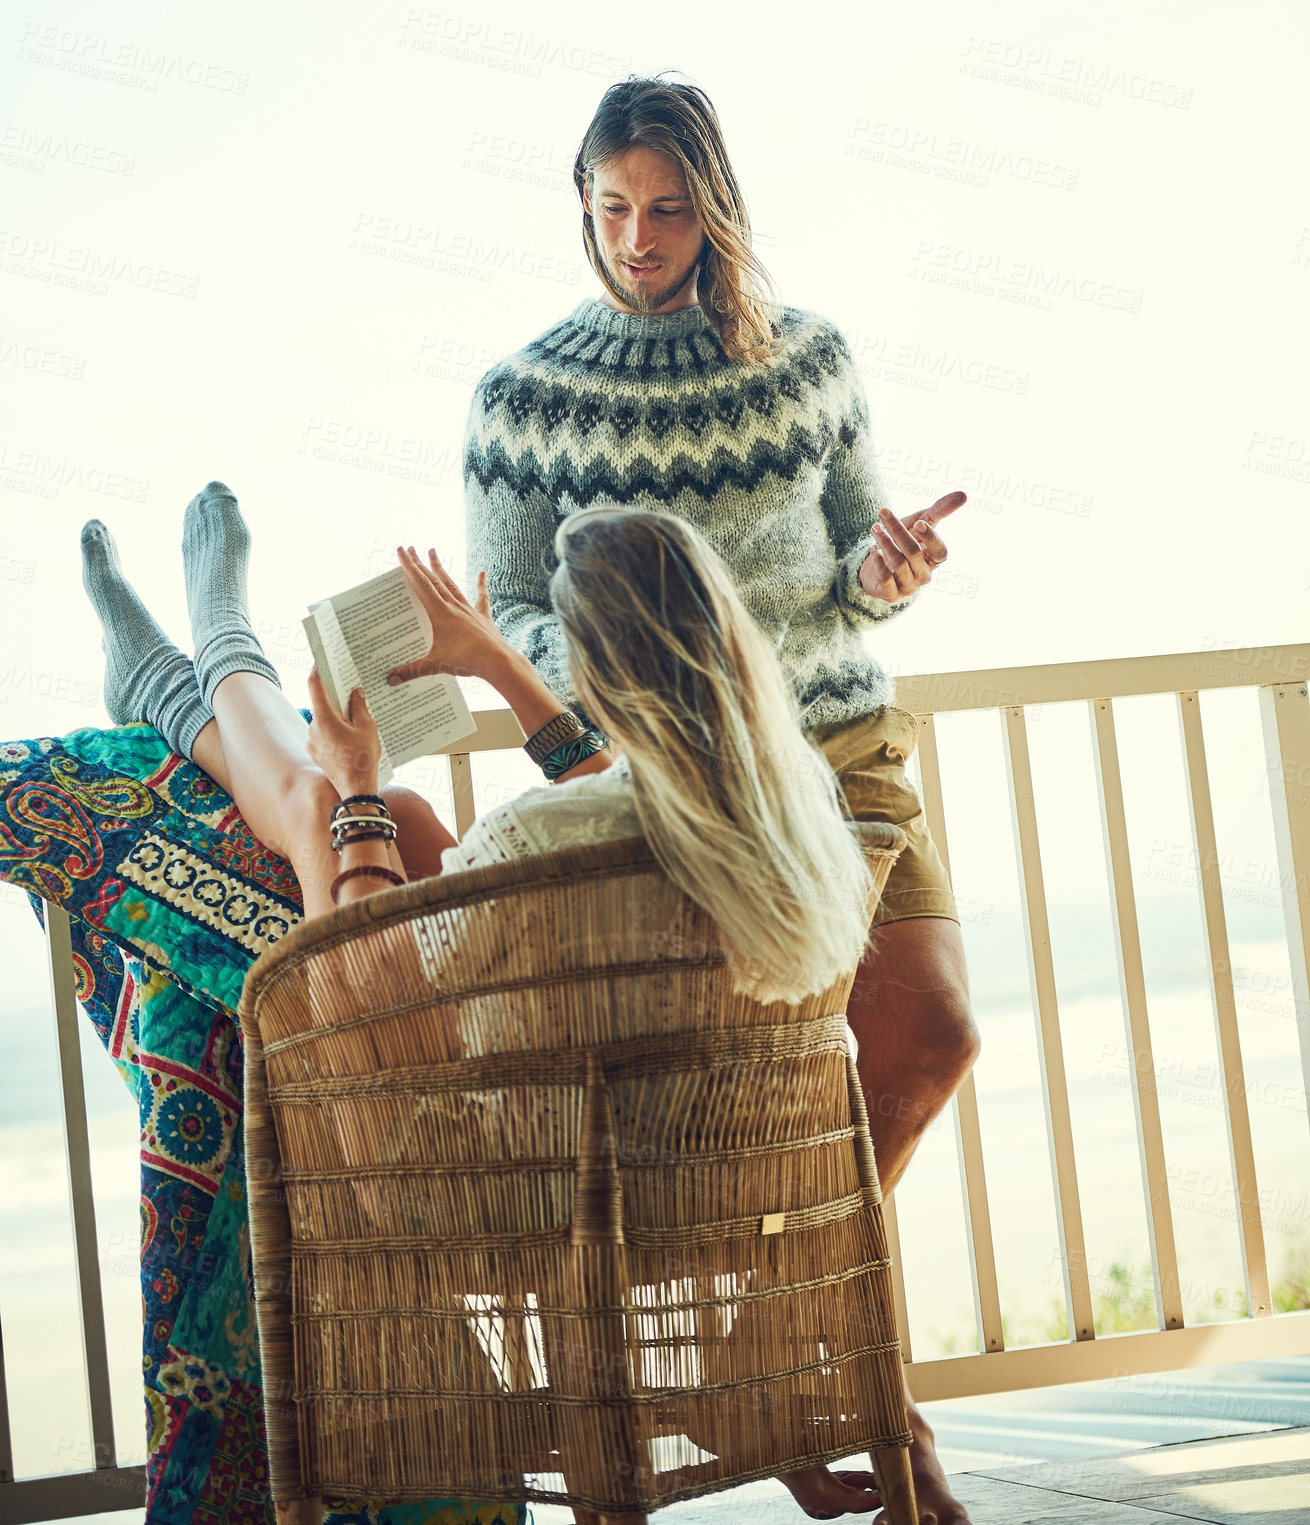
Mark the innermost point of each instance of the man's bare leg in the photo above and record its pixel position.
(909, 1011)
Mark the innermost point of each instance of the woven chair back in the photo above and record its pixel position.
(543, 1209)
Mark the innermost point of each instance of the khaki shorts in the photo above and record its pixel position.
(869, 756)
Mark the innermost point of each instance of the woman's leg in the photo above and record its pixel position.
(146, 676)
(286, 801)
(420, 835)
(284, 797)
(264, 765)
(258, 740)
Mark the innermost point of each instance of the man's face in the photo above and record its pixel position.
(647, 233)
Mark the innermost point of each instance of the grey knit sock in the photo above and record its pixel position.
(146, 676)
(215, 549)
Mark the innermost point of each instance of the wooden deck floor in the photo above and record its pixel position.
(1259, 1479)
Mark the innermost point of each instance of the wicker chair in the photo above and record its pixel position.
(541, 1209)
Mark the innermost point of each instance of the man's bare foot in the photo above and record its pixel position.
(937, 1504)
(824, 1495)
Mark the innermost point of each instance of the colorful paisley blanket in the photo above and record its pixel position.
(172, 900)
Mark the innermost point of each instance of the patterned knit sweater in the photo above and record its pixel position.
(773, 466)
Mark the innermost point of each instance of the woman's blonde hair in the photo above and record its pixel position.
(740, 809)
(679, 120)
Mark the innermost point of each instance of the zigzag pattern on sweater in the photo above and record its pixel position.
(847, 688)
(625, 481)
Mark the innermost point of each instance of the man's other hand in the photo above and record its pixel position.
(904, 557)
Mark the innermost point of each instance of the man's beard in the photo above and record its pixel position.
(642, 298)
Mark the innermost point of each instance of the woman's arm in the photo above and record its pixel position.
(347, 748)
(465, 641)
(535, 705)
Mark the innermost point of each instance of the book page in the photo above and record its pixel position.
(382, 624)
(331, 655)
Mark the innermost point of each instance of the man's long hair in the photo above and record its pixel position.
(739, 807)
(679, 120)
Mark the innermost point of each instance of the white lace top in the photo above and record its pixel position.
(597, 807)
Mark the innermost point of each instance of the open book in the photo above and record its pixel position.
(357, 638)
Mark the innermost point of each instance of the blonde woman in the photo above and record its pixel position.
(712, 767)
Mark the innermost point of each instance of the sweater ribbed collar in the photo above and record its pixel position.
(597, 317)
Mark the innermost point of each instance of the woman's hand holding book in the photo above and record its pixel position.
(346, 747)
(465, 640)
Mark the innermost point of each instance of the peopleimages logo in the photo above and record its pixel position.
(990, 491)
(545, 165)
(1015, 280)
(1077, 79)
(84, 269)
(46, 362)
(21, 679)
(925, 151)
(31, 472)
(911, 363)
(469, 39)
(448, 251)
(100, 57)
(367, 448)
(24, 147)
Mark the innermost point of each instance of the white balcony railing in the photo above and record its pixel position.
(1280, 676)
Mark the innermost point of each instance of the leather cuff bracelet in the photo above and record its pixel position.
(570, 753)
(565, 727)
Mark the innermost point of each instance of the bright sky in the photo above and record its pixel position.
(339, 215)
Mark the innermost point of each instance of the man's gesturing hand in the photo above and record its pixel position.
(901, 560)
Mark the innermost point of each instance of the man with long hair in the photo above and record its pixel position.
(687, 388)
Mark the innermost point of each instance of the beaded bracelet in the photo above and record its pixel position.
(378, 834)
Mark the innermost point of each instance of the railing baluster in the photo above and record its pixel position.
(1055, 1091)
(968, 1132)
(78, 1153)
(1240, 1153)
(1285, 719)
(1137, 1028)
(461, 787)
(978, 1221)
(893, 1233)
